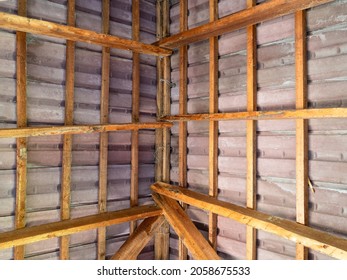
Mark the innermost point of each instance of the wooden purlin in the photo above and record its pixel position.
(185, 229)
(104, 119)
(21, 149)
(65, 199)
(265, 11)
(301, 128)
(213, 125)
(133, 246)
(251, 141)
(135, 116)
(41, 27)
(162, 172)
(263, 115)
(62, 228)
(183, 96)
(78, 129)
(317, 240)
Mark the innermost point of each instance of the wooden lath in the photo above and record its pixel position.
(67, 139)
(24, 24)
(251, 137)
(21, 150)
(37, 233)
(317, 240)
(104, 119)
(266, 11)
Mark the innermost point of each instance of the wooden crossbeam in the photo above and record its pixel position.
(67, 139)
(37, 233)
(135, 115)
(104, 118)
(266, 11)
(133, 246)
(183, 106)
(251, 138)
(263, 115)
(320, 241)
(213, 126)
(21, 149)
(41, 27)
(186, 230)
(301, 128)
(77, 129)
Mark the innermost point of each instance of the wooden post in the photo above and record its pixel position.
(67, 139)
(251, 248)
(21, 150)
(183, 96)
(104, 108)
(134, 188)
(301, 129)
(162, 236)
(213, 126)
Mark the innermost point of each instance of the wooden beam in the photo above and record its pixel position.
(251, 147)
(29, 25)
(77, 129)
(183, 96)
(133, 246)
(213, 126)
(67, 139)
(51, 230)
(186, 230)
(266, 11)
(162, 236)
(134, 187)
(104, 108)
(263, 115)
(320, 241)
(301, 128)
(21, 149)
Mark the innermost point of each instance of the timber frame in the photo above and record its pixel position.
(168, 211)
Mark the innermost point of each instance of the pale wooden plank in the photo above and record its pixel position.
(67, 139)
(263, 115)
(185, 229)
(183, 96)
(134, 185)
(251, 147)
(133, 246)
(29, 25)
(21, 150)
(266, 11)
(77, 129)
(213, 125)
(320, 241)
(301, 128)
(104, 108)
(51, 230)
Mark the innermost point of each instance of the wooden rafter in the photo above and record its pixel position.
(186, 230)
(77, 129)
(263, 115)
(301, 128)
(104, 118)
(317, 240)
(133, 246)
(135, 116)
(18, 23)
(21, 150)
(67, 139)
(251, 248)
(266, 11)
(213, 126)
(183, 99)
(37, 233)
